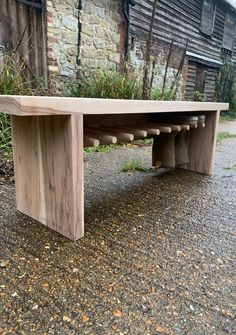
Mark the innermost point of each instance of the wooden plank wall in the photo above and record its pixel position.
(191, 81)
(24, 24)
(181, 19)
(209, 87)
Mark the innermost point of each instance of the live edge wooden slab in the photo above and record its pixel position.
(48, 140)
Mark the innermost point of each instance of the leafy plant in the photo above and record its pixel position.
(226, 88)
(157, 94)
(101, 148)
(224, 135)
(14, 82)
(5, 134)
(198, 96)
(107, 85)
(134, 165)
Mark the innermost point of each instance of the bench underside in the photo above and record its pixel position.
(49, 168)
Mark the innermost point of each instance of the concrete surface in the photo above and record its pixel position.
(158, 256)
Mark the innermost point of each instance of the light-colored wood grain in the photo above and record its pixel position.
(48, 160)
(163, 150)
(48, 145)
(163, 126)
(201, 144)
(122, 135)
(181, 149)
(25, 105)
(144, 127)
(103, 138)
(90, 141)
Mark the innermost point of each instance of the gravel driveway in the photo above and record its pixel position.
(158, 256)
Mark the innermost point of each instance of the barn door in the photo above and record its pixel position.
(196, 79)
(22, 30)
(200, 79)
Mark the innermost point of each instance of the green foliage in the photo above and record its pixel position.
(14, 82)
(226, 88)
(232, 167)
(157, 94)
(134, 165)
(224, 135)
(107, 85)
(113, 85)
(198, 96)
(102, 148)
(5, 134)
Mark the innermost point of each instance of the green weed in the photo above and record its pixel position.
(134, 165)
(106, 85)
(102, 148)
(224, 135)
(232, 167)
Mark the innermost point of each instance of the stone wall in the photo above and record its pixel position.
(62, 40)
(90, 34)
(102, 34)
(160, 52)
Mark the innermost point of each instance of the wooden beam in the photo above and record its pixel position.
(201, 144)
(48, 162)
(26, 105)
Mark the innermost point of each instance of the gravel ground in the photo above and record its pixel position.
(228, 127)
(158, 256)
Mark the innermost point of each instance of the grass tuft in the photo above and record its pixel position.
(102, 148)
(232, 167)
(224, 135)
(134, 165)
(5, 135)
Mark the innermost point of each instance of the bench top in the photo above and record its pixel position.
(37, 105)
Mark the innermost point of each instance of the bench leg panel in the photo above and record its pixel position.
(48, 160)
(201, 144)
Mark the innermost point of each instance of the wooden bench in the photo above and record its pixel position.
(49, 134)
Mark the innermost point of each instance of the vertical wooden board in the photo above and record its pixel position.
(26, 164)
(48, 157)
(201, 145)
(77, 148)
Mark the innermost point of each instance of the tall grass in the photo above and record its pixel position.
(14, 82)
(113, 85)
(5, 134)
(107, 85)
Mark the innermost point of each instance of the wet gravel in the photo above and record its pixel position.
(158, 256)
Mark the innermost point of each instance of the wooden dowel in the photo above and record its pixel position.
(202, 125)
(173, 127)
(185, 126)
(103, 139)
(138, 133)
(122, 136)
(90, 141)
(162, 129)
(150, 130)
(153, 131)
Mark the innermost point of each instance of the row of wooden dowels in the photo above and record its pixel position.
(122, 133)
